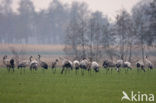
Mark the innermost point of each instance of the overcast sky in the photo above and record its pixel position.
(108, 7)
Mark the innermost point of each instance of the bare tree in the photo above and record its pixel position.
(76, 30)
(83, 18)
(123, 30)
(139, 19)
(108, 39)
(95, 25)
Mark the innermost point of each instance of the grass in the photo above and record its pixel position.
(47, 87)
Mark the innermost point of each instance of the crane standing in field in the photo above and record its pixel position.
(141, 65)
(23, 64)
(125, 64)
(95, 66)
(108, 65)
(9, 63)
(84, 65)
(88, 65)
(33, 64)
(147, 63)
(66, 64)
(44, 65)
(53, 65)
(76, 65)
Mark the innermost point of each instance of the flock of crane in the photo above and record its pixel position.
(83, 64)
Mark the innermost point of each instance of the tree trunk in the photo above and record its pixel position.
(142, 50)
(83, 41)
(91, 45)
(130, 52)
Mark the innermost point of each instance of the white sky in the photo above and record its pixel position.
(108, 7)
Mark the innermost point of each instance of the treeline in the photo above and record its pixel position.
(91, 34)
(84, 32)
(28, 26)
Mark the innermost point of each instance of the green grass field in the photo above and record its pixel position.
(47, 87)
